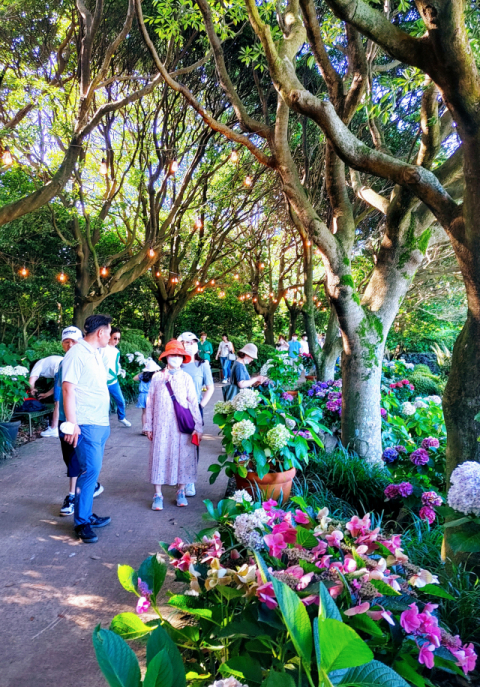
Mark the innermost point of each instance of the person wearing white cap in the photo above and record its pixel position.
(145, 377)
(201, 373)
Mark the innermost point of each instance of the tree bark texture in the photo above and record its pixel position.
(332, 349)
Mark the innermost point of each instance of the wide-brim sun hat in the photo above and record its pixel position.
(151, 366)
(174, 347)
(188, 336)
(251, 350)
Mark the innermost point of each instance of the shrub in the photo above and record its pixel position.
(426, 385)
(43, 348)
(265, 351)
(133, 340)
(426, 359)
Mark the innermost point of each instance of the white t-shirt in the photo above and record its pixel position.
(304, 346)
(224, 349)
(84, 366)
(47, 367)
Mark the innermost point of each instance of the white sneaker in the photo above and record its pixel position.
(224, 381)
(50, 432)
(125, 422)
(190, 490)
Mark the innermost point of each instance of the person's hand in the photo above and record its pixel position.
(199, 435)
(73, 438)
(149, 435)
(42, 395)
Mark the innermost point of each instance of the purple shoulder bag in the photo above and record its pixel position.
(185, 421)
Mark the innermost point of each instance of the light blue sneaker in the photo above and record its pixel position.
(157, 502)
(190, 489)
(181, 498)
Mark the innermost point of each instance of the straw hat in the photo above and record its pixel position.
(151, 366)
(174, 347)
(251, 350)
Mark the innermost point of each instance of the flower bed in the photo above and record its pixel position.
(266, 585)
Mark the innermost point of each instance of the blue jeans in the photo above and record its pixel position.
(89, 452)
(226, 365)
(116, 393)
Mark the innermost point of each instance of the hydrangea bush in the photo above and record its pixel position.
(266, 584)
(13, 389)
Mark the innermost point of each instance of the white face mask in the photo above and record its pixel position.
(191, 347)
(175, 361)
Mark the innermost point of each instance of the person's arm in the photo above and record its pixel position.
(70, 408)
(137, 377)
(32, 381)
(149, 408)
(218, 351)
(192, 401)
(47, 393)
(208, 383)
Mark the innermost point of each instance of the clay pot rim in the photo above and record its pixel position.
(287, 475)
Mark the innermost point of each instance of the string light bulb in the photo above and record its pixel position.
(248, 181)
(157, 274)
(7, 158)
(236, 276)
(173, 167)
(103, 169)
(249, 295)
(198, 223)
(212, 282)
(234, 156)
(221, 294)
(62, 277)
(23, 272)
(151, 253)
(254, 299)
(309, 243)
(261, 265)
(104, 272)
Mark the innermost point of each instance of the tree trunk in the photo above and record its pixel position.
(293, 313)
(332, 348)
(269, 333)
(361, 376)
(461, 402)
(82, 309)
(308, 310)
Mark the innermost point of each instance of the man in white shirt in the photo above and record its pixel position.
(86, 404)
(112, 357)
(46, 367)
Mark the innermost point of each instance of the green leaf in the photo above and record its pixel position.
(160, 641)
(305, 538)
(262, 567)
(409, 673)
(341, 646)
(116, 660)
(384, 588)
(160, 671)
(229, 592)
(274, 679)
(129, 626)
(241, 628)
(467, 540)
(365, 624)
(244, 667)
(189, 604)
(373, 674)
(397, 604)
(296, 619)
(435, 590)
(128, 578)
(153, 573)
(327, 607)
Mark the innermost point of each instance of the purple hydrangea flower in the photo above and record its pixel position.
(391, 492)
(287, 397)
(310, 392)
(419, 457)
(430, 442)
(390, 455)
(400, 449)
(431, 498)
(405, 489)
(383, 412)
(427, 513)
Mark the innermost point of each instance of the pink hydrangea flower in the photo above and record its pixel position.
(466, 657)
(310, 599)
(177, 543)
(425, 655)
(405, 489)
(288, 532)
(319, 549)
(430, 442)
(427, 513)
(268, 505)
(419, 457)
(355, 610)
(183, 563)
(143, 603)
(409, 619)
(377, 615)
(336, 590)
(276, 543)
(431, 498)
(391, 492)
(266, 595)
(335, 538)
(358, 526)
(300, 517)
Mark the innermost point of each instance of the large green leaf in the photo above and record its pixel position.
(153, 572)
(341, 646)
(306, 538)
(189, 604)
(229, 592)
(435, 590)
(373, 674)
(327, 607)
(278, 680)
(117, 661)
(467, 540)
(410, 673)
(244, 667)
(364, 623)
(128, 578)
(160, 641)
(160, 671)
(384, 588)
(262, 567)
(296, 619)
(129, 626)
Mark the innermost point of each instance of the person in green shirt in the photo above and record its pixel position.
(205, 348)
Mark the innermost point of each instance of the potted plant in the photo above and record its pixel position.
(13, 388)
(261, 449)
(283, 372)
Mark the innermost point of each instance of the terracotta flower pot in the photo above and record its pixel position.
(292, 393)
(311, 378)
(272, 486)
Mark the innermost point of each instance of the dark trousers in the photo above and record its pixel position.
(69, 457)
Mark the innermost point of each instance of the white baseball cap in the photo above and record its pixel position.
(73, 333)
(188, 336)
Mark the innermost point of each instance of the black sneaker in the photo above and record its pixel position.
(96, 521)
(98, 490)
(68, 505)
(86, 533)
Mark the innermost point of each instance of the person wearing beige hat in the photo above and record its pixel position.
(173, 453)
(239, 374)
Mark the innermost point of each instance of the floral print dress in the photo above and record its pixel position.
(173, 457)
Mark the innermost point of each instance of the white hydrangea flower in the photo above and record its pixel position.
(228, 682)
(435, 399)
(408, 408)
(8, 371)
(410, 366)
(265, 368)
(464, 494)
(242, 430)
(418, 403)
(246, 398)
(140, 358)
(278, 437)
(130, 357)
(246, 526)
(21, 370)
(223, 407)
(241, 495)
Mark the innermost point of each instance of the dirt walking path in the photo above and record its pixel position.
(53, 588)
